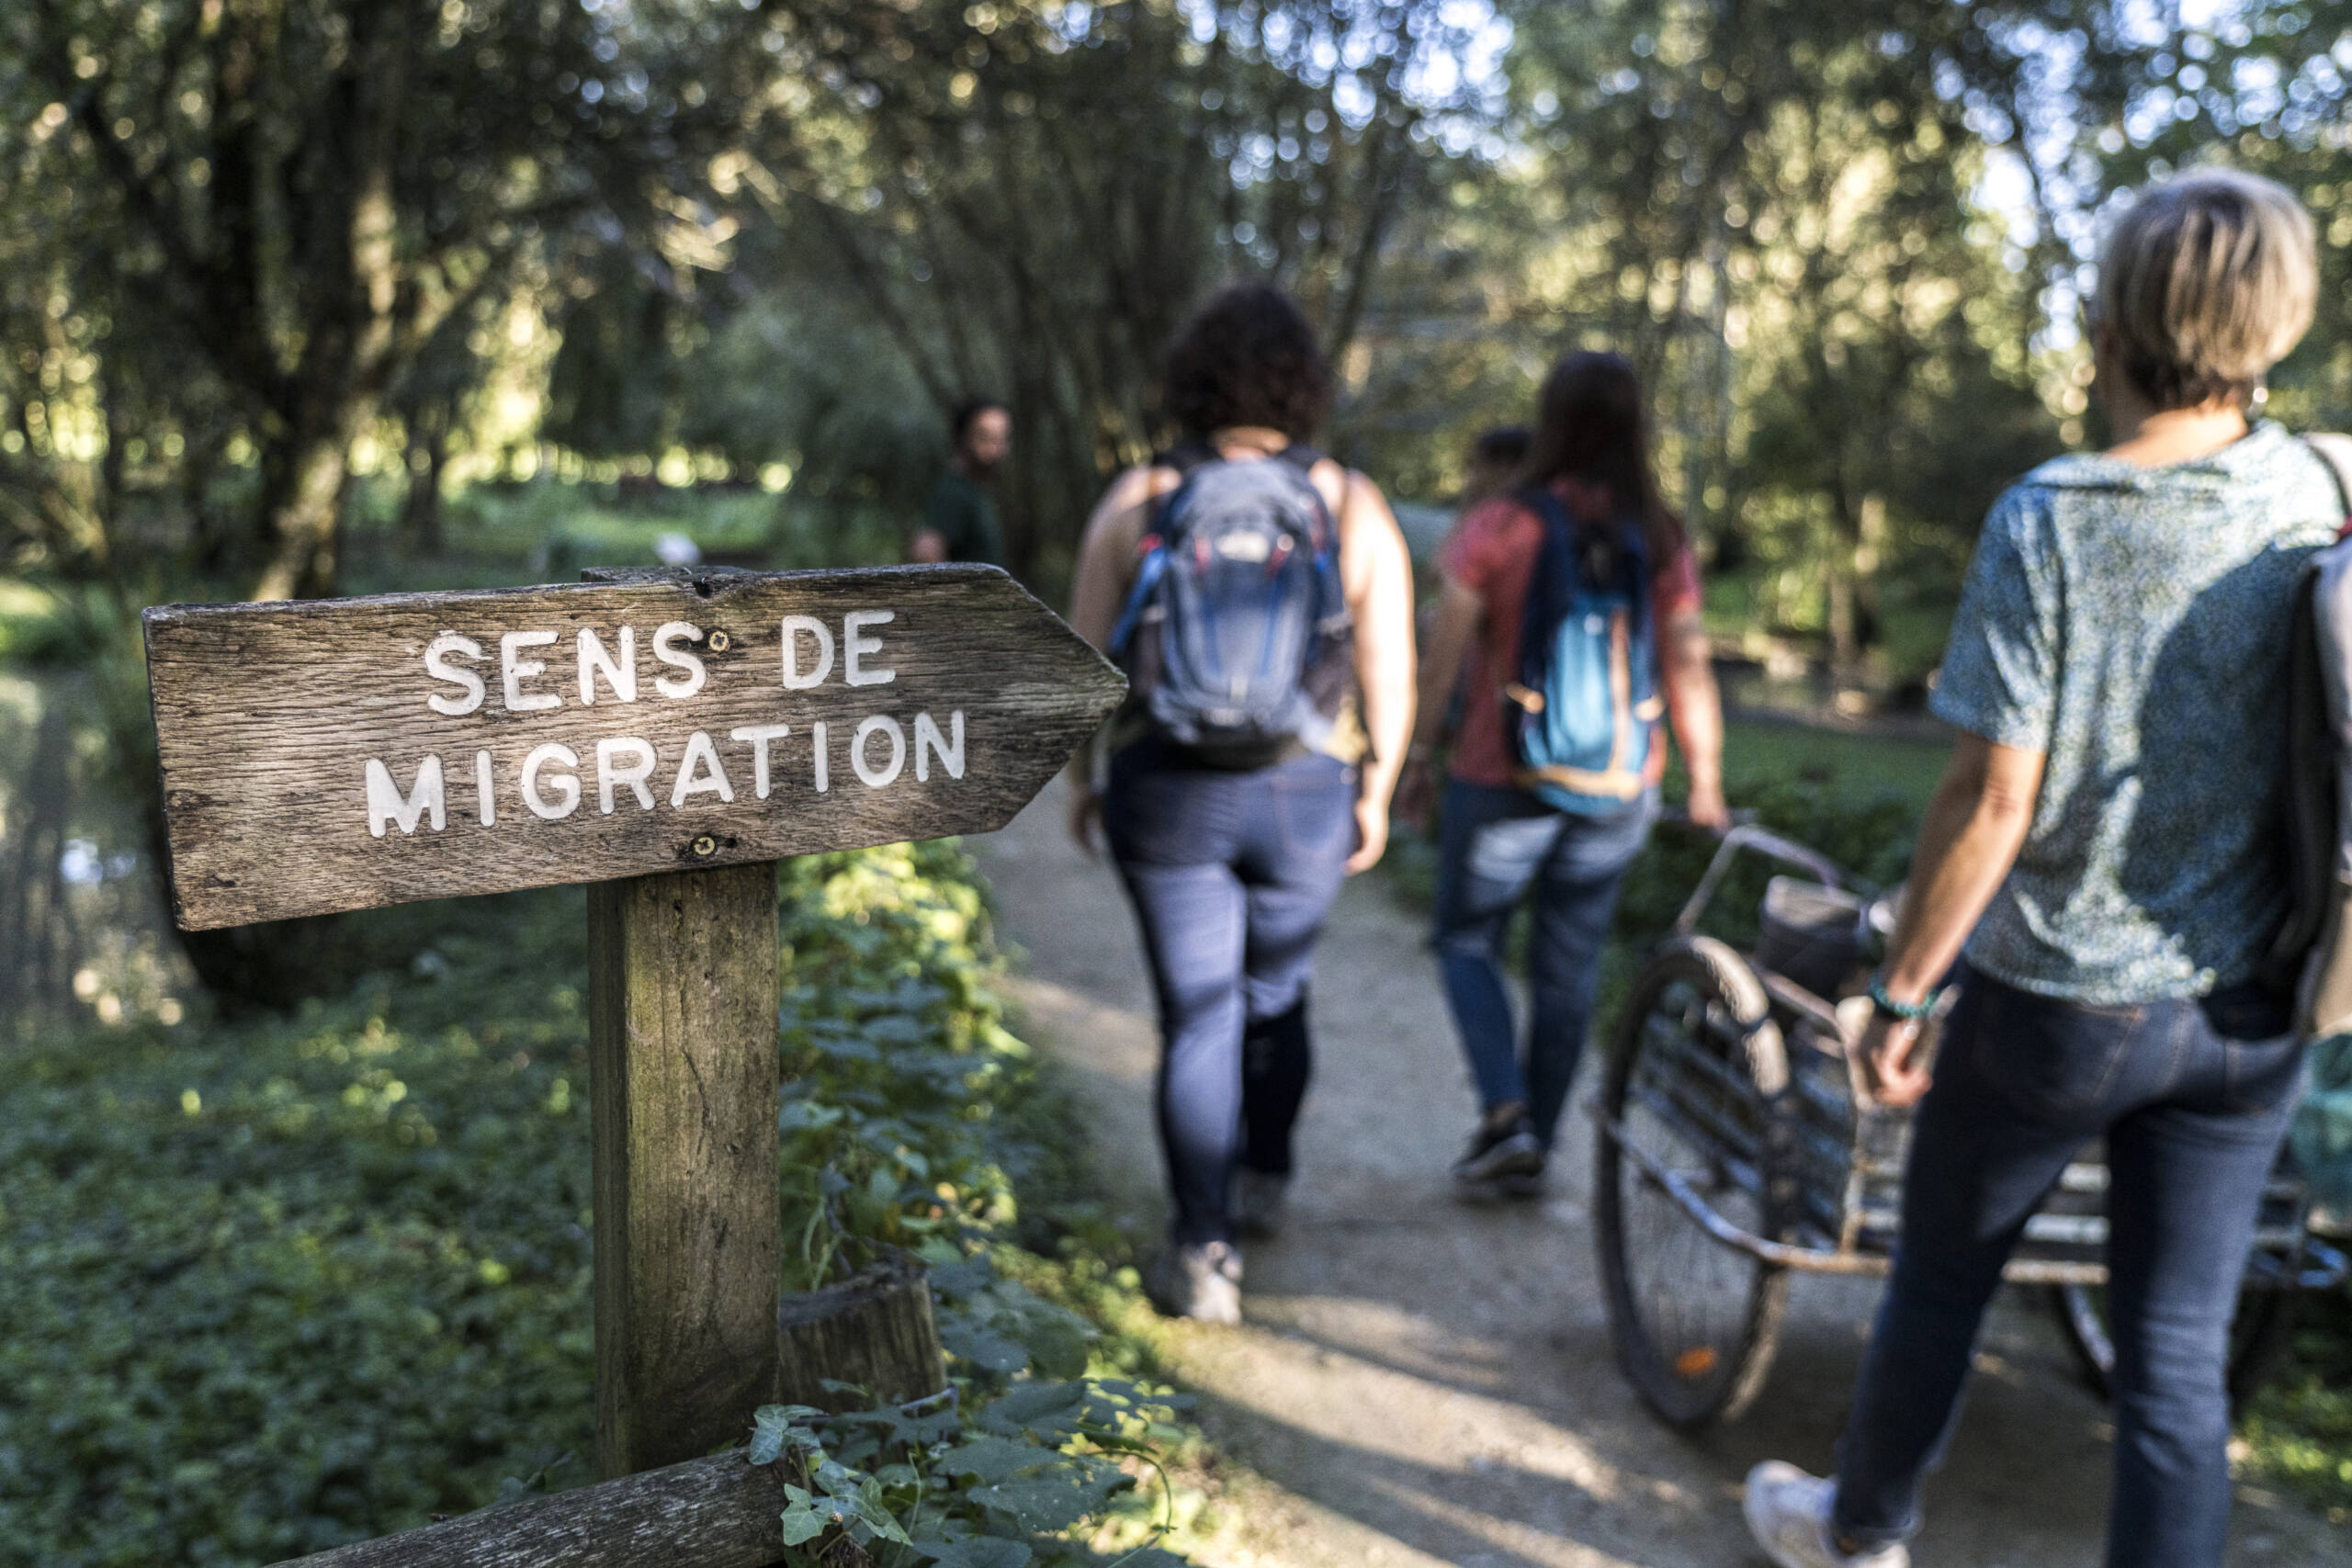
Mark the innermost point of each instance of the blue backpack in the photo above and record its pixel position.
(1578, 718)
(1235, 638)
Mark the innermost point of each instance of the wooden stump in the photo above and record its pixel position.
(876, 1331)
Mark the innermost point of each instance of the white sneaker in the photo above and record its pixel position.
(1788, 1513)
(1202, 1283)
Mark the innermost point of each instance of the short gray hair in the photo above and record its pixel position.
(2207, 280)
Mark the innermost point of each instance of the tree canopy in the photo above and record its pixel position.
(254, 247)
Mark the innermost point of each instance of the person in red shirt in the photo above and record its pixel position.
(1499, 841)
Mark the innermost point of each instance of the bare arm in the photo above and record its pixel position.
(1106, 563)
(1695, 708)
(1975, 826)
(1377, 576)
(1460, 612)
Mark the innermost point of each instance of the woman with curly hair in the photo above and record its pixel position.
(1232, 852)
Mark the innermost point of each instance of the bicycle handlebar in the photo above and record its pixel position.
(1748, 835)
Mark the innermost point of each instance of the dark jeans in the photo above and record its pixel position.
(2193, 1097)
(1495, 845)
(1231, 874)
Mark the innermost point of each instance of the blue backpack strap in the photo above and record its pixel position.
(1148, 575)
(1160, 513)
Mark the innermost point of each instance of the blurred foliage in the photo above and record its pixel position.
(254, 251)
(289, 1282)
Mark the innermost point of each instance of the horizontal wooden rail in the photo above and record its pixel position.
(719, 1512)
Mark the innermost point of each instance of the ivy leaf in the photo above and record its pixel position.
(969, 1341)
(799, 1115)
(875, 1509)
(963, 1276)
(1076, 1487)
(1043, 1407)
(993, 1459)
(803, 1521)
(980, 1551)
(1058, 1344)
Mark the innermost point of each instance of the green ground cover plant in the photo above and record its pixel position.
(290, 1280)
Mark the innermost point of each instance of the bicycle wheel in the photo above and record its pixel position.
(2259, 1334)
(1693, 1083)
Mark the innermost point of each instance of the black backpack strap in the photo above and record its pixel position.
(1300, 456)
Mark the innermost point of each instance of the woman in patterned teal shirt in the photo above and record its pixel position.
(2104, 848)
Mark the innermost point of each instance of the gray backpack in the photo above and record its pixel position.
(2314, 950)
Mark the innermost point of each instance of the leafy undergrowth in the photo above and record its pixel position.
(279, 1283)
(2296, 1434)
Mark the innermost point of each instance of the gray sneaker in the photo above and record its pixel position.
(1788, 1513)
(1258, 1199)
(1202, 1283)
(1497, 1153)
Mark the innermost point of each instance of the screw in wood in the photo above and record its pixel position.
(705, 845)
(720, 642)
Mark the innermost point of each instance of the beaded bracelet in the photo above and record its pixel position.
(1907, 1012)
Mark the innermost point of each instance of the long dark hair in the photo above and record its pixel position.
(1590, 423)
(1248, 356)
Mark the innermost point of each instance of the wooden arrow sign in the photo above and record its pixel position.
(340, 754)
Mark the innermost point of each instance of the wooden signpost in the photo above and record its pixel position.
(667, 736)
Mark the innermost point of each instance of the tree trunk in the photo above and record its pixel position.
(876, 1331)
(428, 455)
(337, 394)
(304, 520)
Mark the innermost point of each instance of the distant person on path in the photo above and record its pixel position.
(1572, 602)
(1496, 458)
(961, 523)
(2108, 832)
(1259, 596)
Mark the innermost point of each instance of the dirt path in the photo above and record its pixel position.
(1420, 1383)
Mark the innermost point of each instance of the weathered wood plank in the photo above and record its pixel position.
(876, 1330)
(295, 737)
(719, 1512)
(682, 1039)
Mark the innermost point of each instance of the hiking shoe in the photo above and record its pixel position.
(1788, 1513)
(1495, 1153)
(1257, 1199)
(1526, 1184)
(1202, 1282)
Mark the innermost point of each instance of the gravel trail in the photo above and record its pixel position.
(1422, 1382)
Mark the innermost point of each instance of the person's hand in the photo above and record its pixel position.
(1893, 1064)
(1706, 808)
(1372, 835)
(1415, 804)
(1085, 817)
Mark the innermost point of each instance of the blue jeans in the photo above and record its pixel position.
(1495, 845)
(2193, 1097)
(1231, 875)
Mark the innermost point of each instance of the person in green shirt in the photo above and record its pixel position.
(960, 523)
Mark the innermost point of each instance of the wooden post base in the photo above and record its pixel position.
(683, 977)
